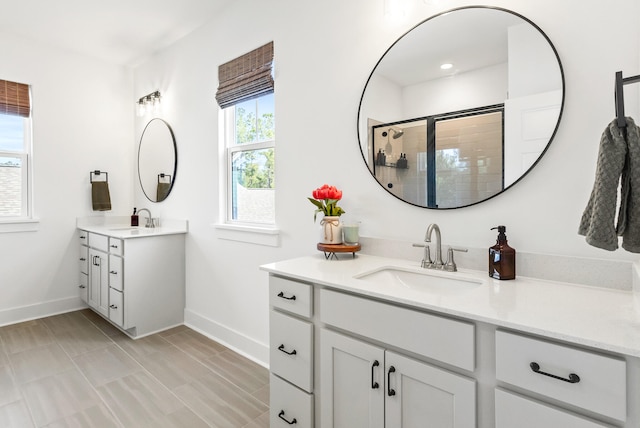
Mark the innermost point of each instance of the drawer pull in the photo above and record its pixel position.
(281, 416)
(113, 272)
(573, 378)
(113, 306)
(114, 246)
(281, 348)
(374, 385)
(390, 392)
(82, 259)
(82, 286)
(281, 294)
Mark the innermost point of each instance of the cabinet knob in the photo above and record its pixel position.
(290, 422)
(82, 286)
(113, 306)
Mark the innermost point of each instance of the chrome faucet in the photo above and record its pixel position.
(150, 222)
(427, 263)
(437, 263)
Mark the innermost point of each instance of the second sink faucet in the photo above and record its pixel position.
(150, 222)
(437, 263)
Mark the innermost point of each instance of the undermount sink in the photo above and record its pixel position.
(421, 279)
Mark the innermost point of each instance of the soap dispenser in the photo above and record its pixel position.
(134, 218)
(502, 258)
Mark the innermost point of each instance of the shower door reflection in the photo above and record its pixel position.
(445, 161)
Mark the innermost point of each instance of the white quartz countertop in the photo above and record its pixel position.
(116, 227)
(601, 318)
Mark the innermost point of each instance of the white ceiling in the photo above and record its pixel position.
(117, 31)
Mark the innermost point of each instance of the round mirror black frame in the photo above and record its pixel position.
(362, 144)
(172, 178)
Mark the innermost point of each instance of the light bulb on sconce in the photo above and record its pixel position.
(149, 103)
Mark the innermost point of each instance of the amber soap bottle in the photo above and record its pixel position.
(502, 258)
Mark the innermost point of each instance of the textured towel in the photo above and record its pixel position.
(617, 158)
(100, 196)
(162, 191)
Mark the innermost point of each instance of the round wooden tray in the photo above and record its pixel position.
(330, 250)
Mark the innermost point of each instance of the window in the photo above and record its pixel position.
(250, 146)
(15, 148)
(246, 95)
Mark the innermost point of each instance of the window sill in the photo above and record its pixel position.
(260, 235)
(19, 225)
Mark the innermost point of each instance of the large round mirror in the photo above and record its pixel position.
(157, 160)
(461, 107)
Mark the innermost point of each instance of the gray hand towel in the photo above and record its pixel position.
(100, 197)
(617, 157)
(162, 191)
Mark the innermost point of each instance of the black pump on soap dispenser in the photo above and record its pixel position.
(502, 258)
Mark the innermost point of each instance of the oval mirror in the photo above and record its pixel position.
(157, 160)
(461, 107)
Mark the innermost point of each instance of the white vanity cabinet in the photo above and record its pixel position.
(291, 353)
(386, 384)
(364, 385)
(376, 356)
(138, 283)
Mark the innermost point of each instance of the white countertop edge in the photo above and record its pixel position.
(119, 227)
(601, 318)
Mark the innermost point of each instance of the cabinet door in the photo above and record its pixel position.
(352, 379)
(99, 282)
(418, 395)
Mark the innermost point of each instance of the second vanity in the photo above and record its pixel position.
(379, 342)
(133, 276)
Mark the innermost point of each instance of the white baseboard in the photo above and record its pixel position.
(40, 310)
(232, 339)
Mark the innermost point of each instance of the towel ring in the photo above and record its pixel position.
(97, 172)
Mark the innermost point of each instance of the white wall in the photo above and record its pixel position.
(324, 53)
(82, 121)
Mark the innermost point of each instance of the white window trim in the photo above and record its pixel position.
(26, 222)
(226, 228)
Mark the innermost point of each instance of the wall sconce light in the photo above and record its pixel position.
(148, 103)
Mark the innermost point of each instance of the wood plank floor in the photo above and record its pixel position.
(77, 370)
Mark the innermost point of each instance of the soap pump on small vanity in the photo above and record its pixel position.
(502, 258)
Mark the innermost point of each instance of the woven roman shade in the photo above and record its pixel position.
(14, 99)
(246, 77)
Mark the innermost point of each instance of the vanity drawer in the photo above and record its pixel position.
(116, 272)
(99, 242)
(288, 403)
(291, 349)
(442, 339)
(84, 259)
(291, 296)
(516, 411)
(83, 237)
(116, 307)
(116, 246)
(602, 379)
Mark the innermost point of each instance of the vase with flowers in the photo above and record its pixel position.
(326, 198)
